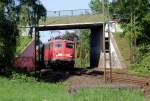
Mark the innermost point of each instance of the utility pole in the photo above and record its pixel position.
(103, 8)
(106, 41)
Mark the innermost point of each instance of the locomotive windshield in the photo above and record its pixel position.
(70, 45)
(58, 45)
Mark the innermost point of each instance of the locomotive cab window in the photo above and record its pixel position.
(58, 45)
(70, 45)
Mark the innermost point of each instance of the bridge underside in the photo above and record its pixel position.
(96, 38)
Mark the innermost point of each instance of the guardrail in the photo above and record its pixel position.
(76, 12)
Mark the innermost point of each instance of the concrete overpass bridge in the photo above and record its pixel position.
(101, 40)
(96, 38)
(78, 19)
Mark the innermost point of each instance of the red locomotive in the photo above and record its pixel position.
(59, 52)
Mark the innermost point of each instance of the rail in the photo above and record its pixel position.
(130, 78)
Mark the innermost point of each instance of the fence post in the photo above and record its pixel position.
(72, 12)
(59, 13)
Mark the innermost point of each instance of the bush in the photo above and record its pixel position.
(142, 66)
(21, 77)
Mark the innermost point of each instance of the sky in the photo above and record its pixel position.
(54, 5)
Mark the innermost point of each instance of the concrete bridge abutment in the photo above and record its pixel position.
(96, 45)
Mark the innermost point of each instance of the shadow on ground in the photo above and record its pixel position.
(54, 76)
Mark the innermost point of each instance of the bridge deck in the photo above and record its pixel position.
(88, 25)
(73, 19)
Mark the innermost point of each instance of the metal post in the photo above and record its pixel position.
(81, 51)
(35, 52)
(72, 12)
(110, 73)
(75, 46)
(109, 45)
(59, 13)
(103, 8)
(38, 45)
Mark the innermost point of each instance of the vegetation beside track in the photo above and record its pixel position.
(22, 42)
(18, 90)
(123, 46)
(142, 65)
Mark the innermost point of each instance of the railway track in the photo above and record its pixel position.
(142, 81)
(116, 76)
(95, 76)
(130, 78)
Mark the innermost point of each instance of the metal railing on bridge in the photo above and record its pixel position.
(76, 12)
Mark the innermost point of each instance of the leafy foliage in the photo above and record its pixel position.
(30, 12)
(96, 5)
(8, 33)
(70, 36)
(9, 15)
(137, 31)
(83, 48)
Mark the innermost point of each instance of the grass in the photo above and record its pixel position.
(123, 45)
(22, 43)
(16, 90)
(73, 19)
(108, 94)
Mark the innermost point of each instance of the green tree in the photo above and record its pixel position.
(10, 18)
(96, 5)
(137, 31)
(30, 12)
(83, 47)
(70, 36)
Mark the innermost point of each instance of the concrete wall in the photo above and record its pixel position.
(96, 45)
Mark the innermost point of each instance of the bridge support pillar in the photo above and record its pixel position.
(96, 45)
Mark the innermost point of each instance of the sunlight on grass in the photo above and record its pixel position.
(108, 94)
(22, 43)
(14, 90)
(123, 45)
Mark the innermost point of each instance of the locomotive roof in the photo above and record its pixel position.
(60, 40)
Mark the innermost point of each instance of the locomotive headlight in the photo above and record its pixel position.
(59, 54)
(68, 55)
